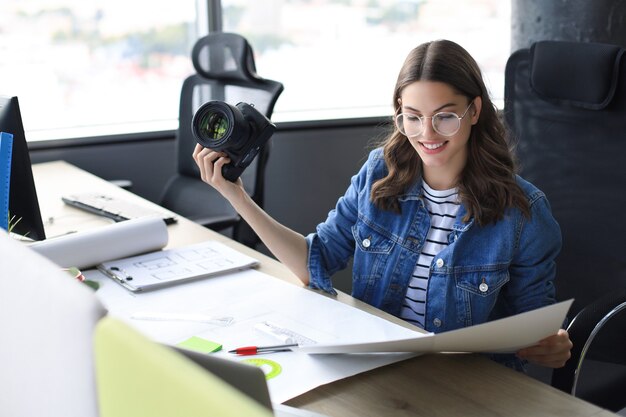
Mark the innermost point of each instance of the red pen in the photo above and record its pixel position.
(253, 350)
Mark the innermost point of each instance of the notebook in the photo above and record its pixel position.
(248, 379)
(174, 266)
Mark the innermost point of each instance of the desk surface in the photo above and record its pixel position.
(429, 385)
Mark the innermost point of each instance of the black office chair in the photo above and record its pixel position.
(225, 70)
(565, 103)
(597, 331)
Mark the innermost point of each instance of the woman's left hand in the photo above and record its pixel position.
(553, 351)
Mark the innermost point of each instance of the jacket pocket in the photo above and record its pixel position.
(478, 292)
(371, 259)
(482, 283)
(371, 240)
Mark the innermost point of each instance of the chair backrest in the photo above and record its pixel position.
(137, 377)
(565, 103)
(47, 319)
(225, 70)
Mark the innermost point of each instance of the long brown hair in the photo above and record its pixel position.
(487, 186)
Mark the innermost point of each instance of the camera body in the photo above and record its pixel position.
(239, 131)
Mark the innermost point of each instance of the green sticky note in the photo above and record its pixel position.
(200, 345)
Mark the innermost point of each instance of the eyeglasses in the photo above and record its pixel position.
(445, 123)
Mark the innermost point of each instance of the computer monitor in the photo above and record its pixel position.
(23, 203)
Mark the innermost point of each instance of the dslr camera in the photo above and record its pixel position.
(239, 131)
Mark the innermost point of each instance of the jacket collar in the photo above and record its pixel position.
(459, 225)
(414, 192)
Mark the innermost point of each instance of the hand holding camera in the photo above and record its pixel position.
(239, 131)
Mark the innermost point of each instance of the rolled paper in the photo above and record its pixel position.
(88, 248)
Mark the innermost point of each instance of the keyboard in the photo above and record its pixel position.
(115, 208)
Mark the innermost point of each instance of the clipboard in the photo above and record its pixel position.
(174, 266)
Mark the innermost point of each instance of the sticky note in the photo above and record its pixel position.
(200, 345)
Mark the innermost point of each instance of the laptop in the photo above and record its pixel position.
(248, 379)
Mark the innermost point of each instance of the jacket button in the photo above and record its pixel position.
(439, 263)
(483, 287)
(437, 322)
(366, 243)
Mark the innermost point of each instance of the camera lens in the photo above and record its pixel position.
(213, 126)
(220, 126)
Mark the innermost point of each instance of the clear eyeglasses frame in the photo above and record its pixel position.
(444, 123)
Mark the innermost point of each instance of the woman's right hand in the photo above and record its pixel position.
(210, 163)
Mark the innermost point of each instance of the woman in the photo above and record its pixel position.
(442, 231)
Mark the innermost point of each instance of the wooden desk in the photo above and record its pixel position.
(429, 385)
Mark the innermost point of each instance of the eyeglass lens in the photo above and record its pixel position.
(446, 124)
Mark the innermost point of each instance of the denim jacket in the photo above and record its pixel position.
(485, 273)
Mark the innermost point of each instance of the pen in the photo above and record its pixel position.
(253, 350)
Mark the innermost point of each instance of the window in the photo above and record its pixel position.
(340, 58)
(85, 68)
(100, 67)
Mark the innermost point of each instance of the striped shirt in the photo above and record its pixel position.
(442, 207)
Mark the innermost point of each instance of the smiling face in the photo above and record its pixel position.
(443, 157)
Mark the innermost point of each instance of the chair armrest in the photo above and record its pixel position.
(582, 331)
